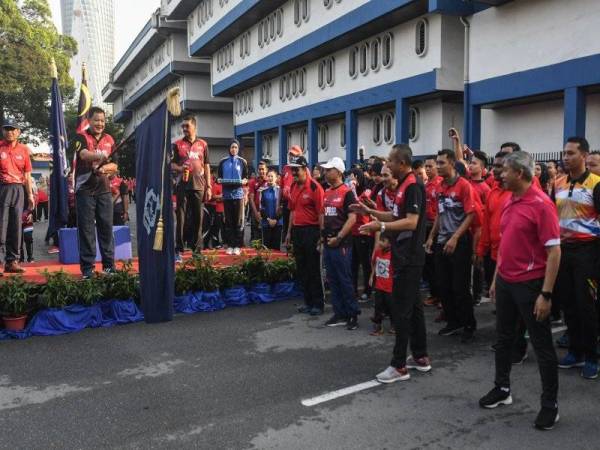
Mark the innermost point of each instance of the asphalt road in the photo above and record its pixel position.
(235, 380)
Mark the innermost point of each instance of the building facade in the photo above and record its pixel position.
(335, 75)
(156, 62)
(91, 23)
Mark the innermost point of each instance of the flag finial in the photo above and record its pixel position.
(53, 69)
(173, 104)
(84, 71)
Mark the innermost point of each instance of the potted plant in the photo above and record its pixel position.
(59, 291)
(15, 294)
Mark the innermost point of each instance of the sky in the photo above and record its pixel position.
(130, 18)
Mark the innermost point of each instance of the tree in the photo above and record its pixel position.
(28, 42)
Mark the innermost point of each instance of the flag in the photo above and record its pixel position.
(156, 246)
(59, 194)
(85, 102)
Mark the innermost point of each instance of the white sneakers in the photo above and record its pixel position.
(229, 251)
(391, 375)
(237, 251)
(233, 251)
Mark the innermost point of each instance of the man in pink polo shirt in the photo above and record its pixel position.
(528, 261)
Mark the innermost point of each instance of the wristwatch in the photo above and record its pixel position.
(382, 227)
(547, 295)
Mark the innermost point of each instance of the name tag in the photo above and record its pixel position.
(330, 211)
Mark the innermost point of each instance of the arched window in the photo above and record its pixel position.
(388, 128)
(302, 81)
(330, 71)
(363, 54)
(279, 26)
(295, 84)
(303, 137)
(343, 135)
(260, 34)
(268, 93)
(375, 49)
(422, 37)
(321, 74)
(262, 96)
(282, 88)
(288, 87)
(305, 10)
(387, 50)
(353, 62)
(327, 3)
(272, 26)
(323, 137)
(266, 31)
(377, 129)
(413, 123)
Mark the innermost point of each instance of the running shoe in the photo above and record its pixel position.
(53, 250)
(449, 330)
(377, 330)
(569, 361)
(421, 364)
(495, 398)
(546, 418)
(336, 321)
(590, 370)
(392, 374)
(352, 323)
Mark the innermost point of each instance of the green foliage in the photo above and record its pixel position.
(123, 284)
(15, 297)
(254, 270)
(59, 291)
(232, 276)
(280, 270)
(28, 42)
(90, 291)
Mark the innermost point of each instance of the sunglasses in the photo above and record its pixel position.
(295, 169)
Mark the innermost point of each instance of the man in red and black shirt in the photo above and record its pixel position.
(15, 172)
(285, 183)
(453, 247)
(337, 225)
(407, 223)
(305, 205)
(92, 194)
(255, 186)
(190, 160)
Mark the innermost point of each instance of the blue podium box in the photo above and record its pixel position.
(69, 245)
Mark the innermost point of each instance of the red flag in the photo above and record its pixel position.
(85, 102)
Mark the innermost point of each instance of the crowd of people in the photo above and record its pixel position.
(458, 225)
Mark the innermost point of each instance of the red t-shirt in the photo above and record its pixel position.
(482, 189)
(528, 226)
(217, 189)
(384, 276)
(14, 163)
(360, 218)
(385, 199)
(431, 190)
(306, 201)
(490, 229)
(285, 182)
(42, 196)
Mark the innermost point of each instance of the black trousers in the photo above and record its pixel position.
(27, 245)
(215, 223)
(308, 261)
(12, 199)
(98, 209)
(255, 228)
(234, 222)
(271, 237)
(576, 290)
(514, 301)
(454, 277)
(429, 270)
(362, 249)
(381, 307)
(42, 210)
(190, 206)
(406, 307)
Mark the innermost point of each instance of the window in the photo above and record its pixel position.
(305, 10)
(265, 31)
(388, 128)
(375, 48)
(330, 71)
(303, 137)
(295, 84)
(260, 34)
(301, 11)
(387, 50)
(377, 129)
(279, 25)
(288, 87)
(363, 54)
(323, 137)
(267, 146)
(262, 96)
(343, 134)
(302, 81)
(352, 62)
(321, 74)
(413, 124)
(282, 88)
(421, 38)
(268, 94)
(297, 12)
(251, 100)
(327, 3)
(272, 26)
(289, 138)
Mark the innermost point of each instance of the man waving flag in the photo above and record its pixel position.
(59, 202)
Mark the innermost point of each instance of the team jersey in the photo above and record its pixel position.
(383, 270)
(336, 209)
(578, 204)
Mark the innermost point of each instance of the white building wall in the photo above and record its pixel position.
(405, 63)
(206, 14)
(319, 16)
(592, 126)
(525, 34)
(536, 127)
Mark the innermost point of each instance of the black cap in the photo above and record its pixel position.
(298, 161)
(11, 124)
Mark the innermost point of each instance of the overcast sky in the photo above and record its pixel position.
(130, 17)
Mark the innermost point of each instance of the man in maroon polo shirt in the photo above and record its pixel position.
(305, 204)
(15, 172)
(528, 261)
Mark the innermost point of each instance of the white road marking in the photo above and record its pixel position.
(340, 393)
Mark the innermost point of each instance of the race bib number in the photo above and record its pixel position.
(382, 268)
(330, 211)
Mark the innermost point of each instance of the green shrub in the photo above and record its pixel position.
(123, 284)
(59, 291)
(15, 297)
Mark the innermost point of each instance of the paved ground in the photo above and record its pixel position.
(235, 379)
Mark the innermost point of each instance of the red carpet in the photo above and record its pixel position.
(34, 272)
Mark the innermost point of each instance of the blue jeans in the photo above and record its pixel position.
(338, 263)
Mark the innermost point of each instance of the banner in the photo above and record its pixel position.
(155, 232)
(59, 194)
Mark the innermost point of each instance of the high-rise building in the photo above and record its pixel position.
(91, 23)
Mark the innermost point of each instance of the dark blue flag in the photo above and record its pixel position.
(155, 240)
(59, 194)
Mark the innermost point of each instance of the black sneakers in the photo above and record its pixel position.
(352, 323)
(336, 321)
(449, 330)
(546, 418)
(495, 397)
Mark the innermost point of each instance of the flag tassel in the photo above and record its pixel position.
(158, 237)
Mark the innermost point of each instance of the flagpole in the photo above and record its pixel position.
(53, 69)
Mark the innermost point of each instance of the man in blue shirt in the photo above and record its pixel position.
(271, 223)
(233, 175)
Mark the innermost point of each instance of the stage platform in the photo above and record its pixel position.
(34, 272)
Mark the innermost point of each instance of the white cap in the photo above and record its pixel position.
(335, 163)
